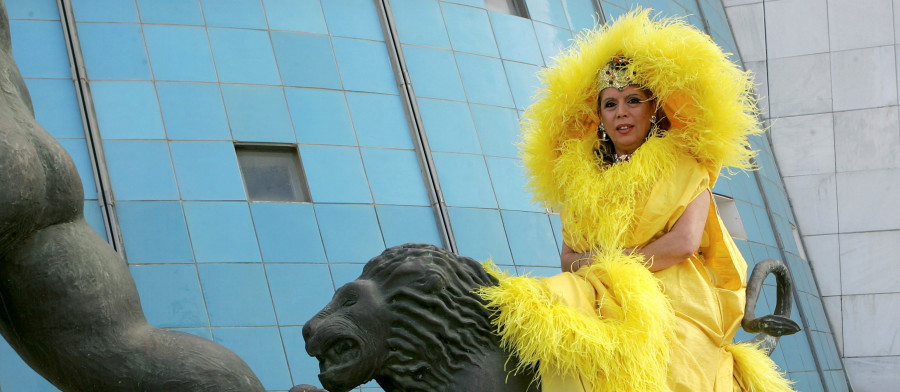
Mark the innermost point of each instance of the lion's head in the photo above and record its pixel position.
(410, 321)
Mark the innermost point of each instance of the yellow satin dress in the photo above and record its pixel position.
(706, 291)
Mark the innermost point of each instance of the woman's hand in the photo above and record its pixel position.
(571, 261)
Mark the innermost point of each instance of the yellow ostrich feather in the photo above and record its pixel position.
(755, 371)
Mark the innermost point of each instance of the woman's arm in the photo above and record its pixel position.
(682, 241)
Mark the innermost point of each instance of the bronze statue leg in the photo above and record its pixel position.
(68, 304)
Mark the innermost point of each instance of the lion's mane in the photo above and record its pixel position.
(438, 325)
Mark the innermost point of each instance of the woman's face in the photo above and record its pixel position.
(626, 116)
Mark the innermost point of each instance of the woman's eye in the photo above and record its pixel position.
(609, 104)
(634, 101)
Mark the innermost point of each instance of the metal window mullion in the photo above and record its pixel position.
(89, 124)
(417, 128)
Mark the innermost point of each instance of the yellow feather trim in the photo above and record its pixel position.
(754, 371)
(706, 97)
(625, 350)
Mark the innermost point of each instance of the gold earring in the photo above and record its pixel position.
(602, 131)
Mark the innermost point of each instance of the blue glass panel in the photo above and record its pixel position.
(469, 29)
(305, 60)
(350, 232)
(552, 40)
(449, 126)
(201, 332)
(299, 290)
(296, 15)
(287, 232)
(320, 116)
(234, 13)
(379, 120)
(792, 348)
(765, 226)
(353, 18)
(207, 171)
(140, 170)
(154, 232)
(39, 49)
(221, 232)
(556, 222)
(509, 184)
(335, 175)
(56, 107)
(433, 73)
(548, 11)
(614, 9)
(748, 219)
(473, 3)
(364, 65)
(127, 110)
(716, 17)
(180, 53)
(342, 274)
(464, 180)
(582, 14)
(104, 11)
(745, 188)
(94, 217)
(32, 9)
(538, 271)
(304, 369)
(479, 234)
(722, 187)
(498, 130)
(113, 51)
(523, 81)
(193, 111)
(258, 113)
(77, 149)
(16, 376)
(236, 295)
(243, 56)
(530, 238)
(170, 295)
(170, 12)
(419, 22)
(778, 357)
(403, 224)
(516, 39)
(394, 176)
(263, 351)
(484, 80)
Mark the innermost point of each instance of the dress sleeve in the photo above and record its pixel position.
(667, 202)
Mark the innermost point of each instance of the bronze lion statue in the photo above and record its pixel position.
(412, 322)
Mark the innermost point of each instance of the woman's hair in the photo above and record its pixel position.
(607, 151)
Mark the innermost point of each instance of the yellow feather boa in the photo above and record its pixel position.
(712, 112)
(706, 97)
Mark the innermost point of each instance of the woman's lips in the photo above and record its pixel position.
(624, 128)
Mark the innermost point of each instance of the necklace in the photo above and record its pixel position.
(623, 158)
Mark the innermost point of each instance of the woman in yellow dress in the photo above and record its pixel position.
(626, 139)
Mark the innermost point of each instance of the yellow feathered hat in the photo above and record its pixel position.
(707, 99)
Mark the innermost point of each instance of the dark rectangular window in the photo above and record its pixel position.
(512, 7)
(272, 173)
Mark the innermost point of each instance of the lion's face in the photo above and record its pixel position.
(348, 336)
